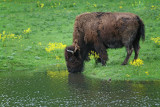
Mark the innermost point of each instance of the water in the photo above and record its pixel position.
(59, 88)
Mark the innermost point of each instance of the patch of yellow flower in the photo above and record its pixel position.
(5, 36)
(94, 5)
(153, 7)
(137, 62)
(120, 7)
(57, 58)
(41, 5)
(127, 75)
(156, 40)
(146, 73)
(93, 55)
(39, 43)
(27, 31)
(54, 46)
(55, 5)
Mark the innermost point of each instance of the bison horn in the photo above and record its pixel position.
(70, 51)
(76, 45)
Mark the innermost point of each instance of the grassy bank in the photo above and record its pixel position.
(29, 27)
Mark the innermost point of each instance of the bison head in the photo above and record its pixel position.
(73, 59)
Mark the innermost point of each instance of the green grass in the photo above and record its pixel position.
(54, 23)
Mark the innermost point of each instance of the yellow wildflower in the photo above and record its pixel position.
(137, 62)
(0, 35)
(153, 7)
(93, 54)
(4, 32)
(48, 49)
(147, 73)
(15, 37)
(3, 38)
(57, 58)
(94, 5)
(27, 31)
(156, 40)
(40, 43)
(54, 46)
(120, 7)
(19, 37)
(127, 75)
(41, 5)
(11, 35)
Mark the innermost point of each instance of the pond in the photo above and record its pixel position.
(59, 88)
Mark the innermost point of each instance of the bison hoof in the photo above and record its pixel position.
(124, 64)
(103, 62)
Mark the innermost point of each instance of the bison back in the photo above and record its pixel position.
(114, 30)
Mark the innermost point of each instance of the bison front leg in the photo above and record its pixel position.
(98, 60)
(101, 50)
(129, 53)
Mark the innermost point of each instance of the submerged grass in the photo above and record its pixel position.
(33, 24)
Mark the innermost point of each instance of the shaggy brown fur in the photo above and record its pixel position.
(98, 31)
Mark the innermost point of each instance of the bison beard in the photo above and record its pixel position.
(99, 31)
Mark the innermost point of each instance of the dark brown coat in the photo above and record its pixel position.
(98, 31)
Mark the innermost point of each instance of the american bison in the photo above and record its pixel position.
(99, 31)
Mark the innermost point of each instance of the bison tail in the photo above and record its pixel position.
(141, 29)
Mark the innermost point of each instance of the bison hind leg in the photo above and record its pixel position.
(129, 53)
(136, 49)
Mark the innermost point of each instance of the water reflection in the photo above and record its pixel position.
(116, 93)
(59, 88)
(77, 81)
